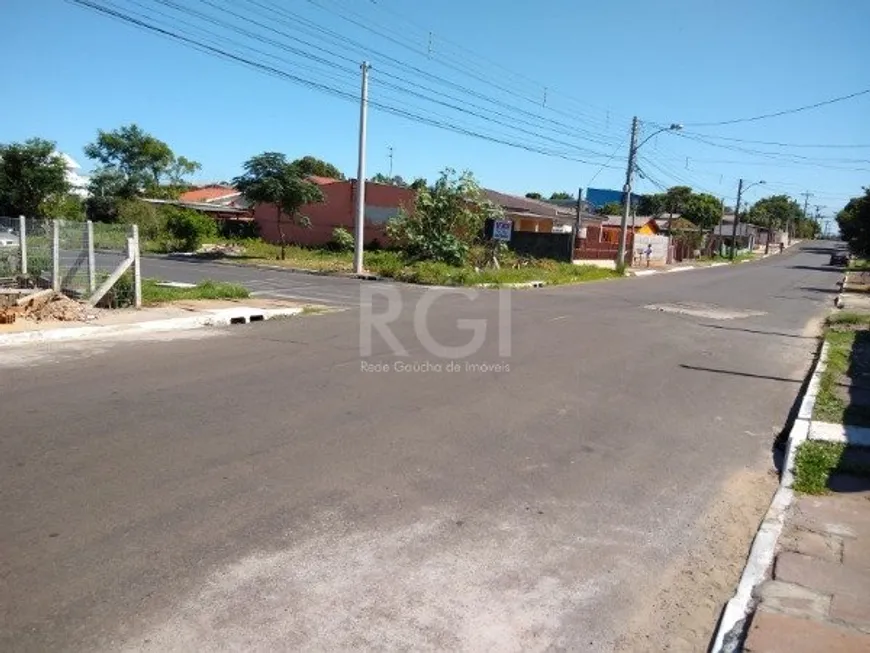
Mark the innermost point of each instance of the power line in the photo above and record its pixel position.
(775, 114)
(347, 16)
(778, 144)
(213, 50)
(778, 156)
(303, 24)
(605, 164)
(465, 60)
(297, 51)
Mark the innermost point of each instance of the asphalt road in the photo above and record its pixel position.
(331, 291)
(258, 490)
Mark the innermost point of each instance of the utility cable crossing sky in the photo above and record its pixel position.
(427, 87)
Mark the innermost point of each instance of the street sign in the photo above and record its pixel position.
(501, 230)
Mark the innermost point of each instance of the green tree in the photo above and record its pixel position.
(187, 228)
(419, 183)
(854, 223)
(132, 163)
(150, 218)
(31, 174)
(67, 206)
(134, 156)
(561, 196)
(181, 168)
(446, 221)
(106, 190)
(534, 196)
(309, 165)
(702, 209)
(806, 228)
(611, 208)
(676, 199)
(775, 212)
(653, 205)
(395, 180)
(270, 179)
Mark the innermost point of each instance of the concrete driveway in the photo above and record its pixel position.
(259, 490)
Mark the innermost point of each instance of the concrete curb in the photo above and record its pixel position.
(839, 300)
(214, 318)
(685, 268)
(848, 434)
(732, 625)
(267, 266)
(519, 284)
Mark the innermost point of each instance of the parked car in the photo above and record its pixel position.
(8, 239)
(839, 258)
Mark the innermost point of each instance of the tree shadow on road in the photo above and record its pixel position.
(831, 291)
(749, 375)
(819, 268)
(778, 334)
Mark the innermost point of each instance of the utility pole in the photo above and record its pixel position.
(807, 195)
(629, 173)
(390, 148)
(720, 229)
(359, 224)
(579, 206)
(736, 219)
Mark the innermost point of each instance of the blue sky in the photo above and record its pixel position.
(597, 63)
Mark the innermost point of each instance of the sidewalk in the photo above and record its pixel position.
(818, 595)
(176, 316)
(691, 264)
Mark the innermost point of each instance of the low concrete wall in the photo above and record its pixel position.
(598, 263)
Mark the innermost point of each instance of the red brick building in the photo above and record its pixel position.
(338, 210)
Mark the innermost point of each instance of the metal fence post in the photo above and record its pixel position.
(92, 262)
(55, 256)
(22, 244)
(137, 267)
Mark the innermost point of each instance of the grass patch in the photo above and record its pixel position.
(152, 294)
(859, 264)
(848, 319)
(830, 406)
(441, 274)
(394, 265)
(816, 461)
(308, 258)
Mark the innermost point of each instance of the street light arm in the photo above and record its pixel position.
(674, 127)
(757, 183)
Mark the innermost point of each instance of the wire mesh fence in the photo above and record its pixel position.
(84, 260)
(111, 249)
(10, 252)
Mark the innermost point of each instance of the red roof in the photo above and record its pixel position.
(207, 193)
(322, 181)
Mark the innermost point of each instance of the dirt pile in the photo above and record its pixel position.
(44, 306)
(60, 308)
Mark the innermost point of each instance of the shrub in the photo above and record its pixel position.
(8, 263)
(238, 229)
(188, 229)
(151, 220)
(446, 221)
(342, 240)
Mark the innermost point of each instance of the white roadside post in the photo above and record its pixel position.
(55, 256)
(137, 267)
(22, 244)
(92, 264)
(359, 224)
